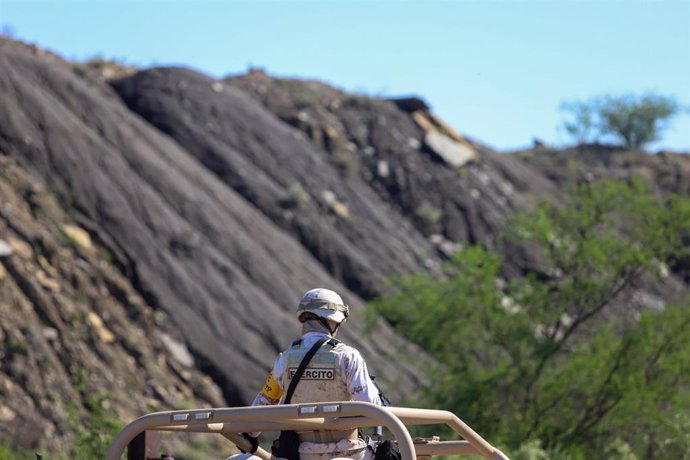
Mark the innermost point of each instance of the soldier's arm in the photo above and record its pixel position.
(359, 383)
(272, 390)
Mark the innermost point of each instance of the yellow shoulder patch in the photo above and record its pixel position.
(272, 388)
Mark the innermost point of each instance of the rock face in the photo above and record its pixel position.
(341, 221)
(157, 231)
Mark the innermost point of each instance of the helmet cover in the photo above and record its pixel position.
(324, 303)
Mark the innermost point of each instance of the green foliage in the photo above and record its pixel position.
(637, 121)
(533, 450)
(96, 426)
(428, 216)
(17, 346)
(10, 453)
(582, 127)
(535, 360)
(199, 447)
(296, 196)
(633, 120)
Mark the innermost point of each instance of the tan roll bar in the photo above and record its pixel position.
(319, 416)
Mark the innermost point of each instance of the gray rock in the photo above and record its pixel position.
(5, 249)
(178, 350)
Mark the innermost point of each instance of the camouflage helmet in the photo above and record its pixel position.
(325, 304)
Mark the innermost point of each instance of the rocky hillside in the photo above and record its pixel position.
(160, 225)
(450, 188)
(73, 326)
(190, 245)
(444, 184)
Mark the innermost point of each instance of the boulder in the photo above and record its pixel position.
(452, 152)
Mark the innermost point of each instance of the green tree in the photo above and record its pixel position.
(557, 356)
(636, 120)
(631, 119)
(582, 127)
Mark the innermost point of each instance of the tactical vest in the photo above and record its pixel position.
(322, 380)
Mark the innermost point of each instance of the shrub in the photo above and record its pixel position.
(10, 453)
(428, 216)
(550, 357)
(96, 430)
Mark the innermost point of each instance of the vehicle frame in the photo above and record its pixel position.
(229, 422)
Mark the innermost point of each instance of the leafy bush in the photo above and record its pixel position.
(633, 120)
(547, 358)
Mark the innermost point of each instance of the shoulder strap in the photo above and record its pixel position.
(305, 361)
(384, 400)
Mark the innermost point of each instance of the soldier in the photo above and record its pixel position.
(336, 372)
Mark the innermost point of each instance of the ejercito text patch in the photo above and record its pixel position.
(314, 374)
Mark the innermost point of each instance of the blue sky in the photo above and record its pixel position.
(495, 70)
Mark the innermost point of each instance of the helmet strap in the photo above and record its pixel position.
(327, 325)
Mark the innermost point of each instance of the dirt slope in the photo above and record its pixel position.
(69, 317)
